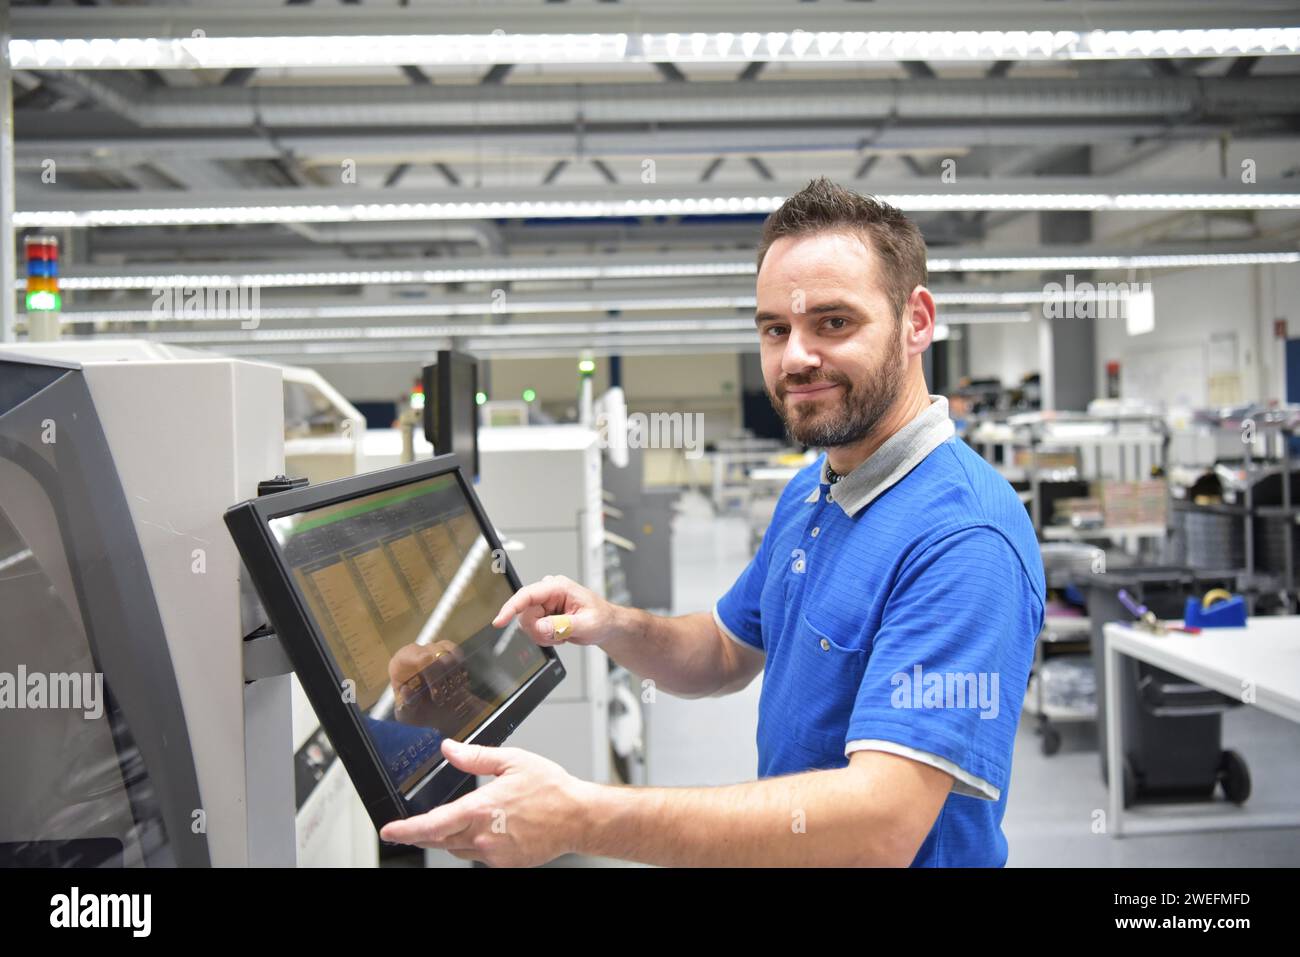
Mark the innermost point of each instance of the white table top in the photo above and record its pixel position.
(1265, 654)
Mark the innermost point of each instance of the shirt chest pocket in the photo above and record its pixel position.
(825, 677)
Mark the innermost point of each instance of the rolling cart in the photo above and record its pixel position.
(1062, 681)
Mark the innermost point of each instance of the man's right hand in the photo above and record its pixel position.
(557, 610)
(688, 656)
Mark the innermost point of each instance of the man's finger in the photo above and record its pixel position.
(457, 842)
(557, 629)
(475, 758)
(433, 826)
(540, 594)
(530, 621)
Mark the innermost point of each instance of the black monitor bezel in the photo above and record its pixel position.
(249, 526)
(442, 406)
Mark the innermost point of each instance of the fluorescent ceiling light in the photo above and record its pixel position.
(484, 345)
(983, 318)
(512, 330)
(395, 212)
(633, 342)
(991, 298)
(1140, 312)
(203, 52)
(605, 208)
(385, 277)
(417, 353)
(1052, 263)
(236, 310)
(1089, 202)
(742, 325)
(242, 312)
(632, 270)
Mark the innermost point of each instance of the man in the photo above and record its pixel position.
(892, 607)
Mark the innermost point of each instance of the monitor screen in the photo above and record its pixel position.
(402, 585)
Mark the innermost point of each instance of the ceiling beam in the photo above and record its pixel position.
(670, 72)
(1009, 101)
(417, 76)
(661, 17)
(1241, 67)
(865, 167)
(913, 167)
(447, 172)
(553, 173)
(238, 77)
(347, 204)
(78, 141)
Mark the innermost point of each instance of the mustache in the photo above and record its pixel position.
(808, 378)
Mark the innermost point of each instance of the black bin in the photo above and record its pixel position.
(1172, 744)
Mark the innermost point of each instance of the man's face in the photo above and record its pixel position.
(832, 349)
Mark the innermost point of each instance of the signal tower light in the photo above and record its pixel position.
(42, 274)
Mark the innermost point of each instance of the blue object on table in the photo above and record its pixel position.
(1222, 614)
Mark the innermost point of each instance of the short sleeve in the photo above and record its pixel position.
(738, 612)
(948, 666)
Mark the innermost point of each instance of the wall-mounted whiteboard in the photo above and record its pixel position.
(1173, 375)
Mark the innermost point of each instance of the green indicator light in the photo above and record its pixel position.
(529, 395)
(44, 301)
(480, 398)
(587, 366)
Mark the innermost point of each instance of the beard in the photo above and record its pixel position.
(824, 425)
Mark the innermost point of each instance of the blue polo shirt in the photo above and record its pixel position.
(898, 611)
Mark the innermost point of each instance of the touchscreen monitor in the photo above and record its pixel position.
(384, 595)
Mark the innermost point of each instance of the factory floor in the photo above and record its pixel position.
(1050, 810)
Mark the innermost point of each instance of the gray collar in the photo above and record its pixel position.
(900, 453)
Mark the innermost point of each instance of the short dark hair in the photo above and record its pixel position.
(823, 206)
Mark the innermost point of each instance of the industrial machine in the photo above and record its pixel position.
(644, 517)
(542, 487)
(324, 434)
(156, 727)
